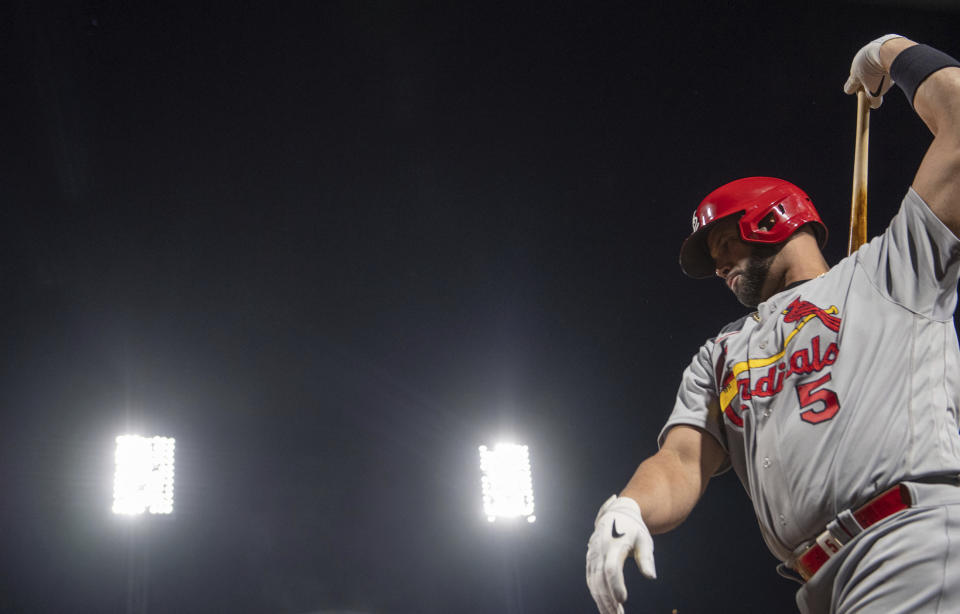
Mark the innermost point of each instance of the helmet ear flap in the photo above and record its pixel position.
(775, 220)
(771, 219)
(766, 224)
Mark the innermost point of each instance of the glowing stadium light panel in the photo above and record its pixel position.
(506, 482)
(143, 481)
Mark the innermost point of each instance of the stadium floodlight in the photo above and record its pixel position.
(143, 481)
(506, 482)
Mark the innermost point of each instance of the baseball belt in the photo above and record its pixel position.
(847, 525)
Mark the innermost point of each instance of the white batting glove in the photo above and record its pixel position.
(618, 530)
(867, 73)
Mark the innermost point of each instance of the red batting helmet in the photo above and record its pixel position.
(771, 211)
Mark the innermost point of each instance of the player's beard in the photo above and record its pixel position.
(750, 285)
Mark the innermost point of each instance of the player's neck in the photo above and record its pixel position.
(805, 271)
(799, 260)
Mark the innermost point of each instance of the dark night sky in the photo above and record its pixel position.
(332, 247)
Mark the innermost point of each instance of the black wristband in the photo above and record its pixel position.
(914, 64)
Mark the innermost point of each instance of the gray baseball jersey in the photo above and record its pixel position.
(839, 387)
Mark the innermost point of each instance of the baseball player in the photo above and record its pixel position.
(836, 401)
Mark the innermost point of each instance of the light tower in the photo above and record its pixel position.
(507, 491)
(142, 484)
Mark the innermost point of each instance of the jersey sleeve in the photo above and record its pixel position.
(698, 403)
(916, 262)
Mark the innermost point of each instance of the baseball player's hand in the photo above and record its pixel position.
(618, 530)
(868, 74)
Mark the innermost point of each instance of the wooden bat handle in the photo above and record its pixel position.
(858, 205)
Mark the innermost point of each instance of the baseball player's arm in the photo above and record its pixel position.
(937, 102)
(668, 485)
(660, 495)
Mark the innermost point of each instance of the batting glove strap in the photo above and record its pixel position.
(914, 64)
(867, 73)
(619, 530)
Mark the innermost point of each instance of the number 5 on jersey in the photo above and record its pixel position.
(809, 396)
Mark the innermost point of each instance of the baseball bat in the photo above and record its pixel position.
(858, 205)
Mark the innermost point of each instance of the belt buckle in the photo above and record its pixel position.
(821, 549)
(829, 543)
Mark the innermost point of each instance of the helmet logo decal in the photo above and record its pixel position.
(695, 222)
